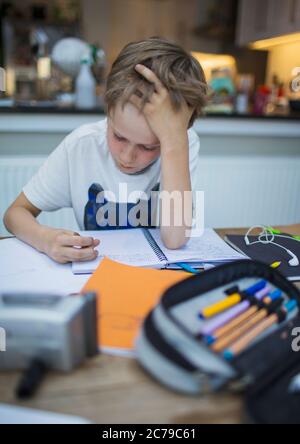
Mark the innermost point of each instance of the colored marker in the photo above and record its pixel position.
(277, 317)
(224, 342)
(275, 231)
(187, 268)
(244, 316)
(275, 264)
(272, 296)
(231, 300)
(223, 318)
(231, 290)
(256, 287)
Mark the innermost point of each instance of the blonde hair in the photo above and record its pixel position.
(180, 73)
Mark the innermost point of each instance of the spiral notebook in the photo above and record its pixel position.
(144, 247)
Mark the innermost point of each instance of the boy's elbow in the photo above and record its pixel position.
(6, 218)
(173, 243)
(9, 218)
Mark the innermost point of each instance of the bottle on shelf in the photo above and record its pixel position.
(85, 86)
(244, 87)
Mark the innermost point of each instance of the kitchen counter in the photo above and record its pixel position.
(63, 120)
(49, 110)
(290, 116)
(72, 110)
(100, 109)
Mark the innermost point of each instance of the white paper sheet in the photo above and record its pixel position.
(128, 246)
(22, 268)
(18, 415)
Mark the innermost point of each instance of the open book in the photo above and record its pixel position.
(144, 247)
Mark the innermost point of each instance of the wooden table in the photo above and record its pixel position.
(110, 390)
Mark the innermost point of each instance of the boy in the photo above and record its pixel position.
(155, 90)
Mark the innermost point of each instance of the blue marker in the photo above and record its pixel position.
(256, 287)
(187, 268)
(272, 296)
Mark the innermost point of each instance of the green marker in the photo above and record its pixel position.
(275, 231)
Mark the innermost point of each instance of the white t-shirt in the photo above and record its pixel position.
(81, 173)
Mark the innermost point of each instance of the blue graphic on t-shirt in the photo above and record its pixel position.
(102, 214)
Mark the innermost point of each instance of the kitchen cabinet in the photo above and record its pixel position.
(255, 21)
(289, 16)
(258, 20)
(114, 23)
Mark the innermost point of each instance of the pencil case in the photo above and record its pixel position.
(175, 345)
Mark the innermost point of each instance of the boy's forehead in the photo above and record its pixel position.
(130, 123)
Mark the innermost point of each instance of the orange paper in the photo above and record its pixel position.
(125, 295)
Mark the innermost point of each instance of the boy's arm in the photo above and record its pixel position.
(176, 204)
(170, 126)
(20, 220)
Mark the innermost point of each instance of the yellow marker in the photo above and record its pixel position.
(220, 306)
(275, 264)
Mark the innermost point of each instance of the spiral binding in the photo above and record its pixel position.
(159, 253)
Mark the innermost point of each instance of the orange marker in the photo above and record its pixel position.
(222, 343)
(245, 340)
(248, 313)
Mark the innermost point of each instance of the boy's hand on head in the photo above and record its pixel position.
(68, 246)
(164, 120)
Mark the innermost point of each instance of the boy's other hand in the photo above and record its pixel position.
(166, 122)
(68, 246)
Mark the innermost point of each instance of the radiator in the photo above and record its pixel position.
(15, 171)
(245, 190)
(239, 190)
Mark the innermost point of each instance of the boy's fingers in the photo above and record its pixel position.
(77, 241)
(150, 76)
(75, 254)
(68, 233)
(135, 100)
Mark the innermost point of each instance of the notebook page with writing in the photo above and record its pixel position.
(207, 248)
(127, 246)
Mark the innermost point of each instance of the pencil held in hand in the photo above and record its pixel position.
(65, 246)
(86, 245)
